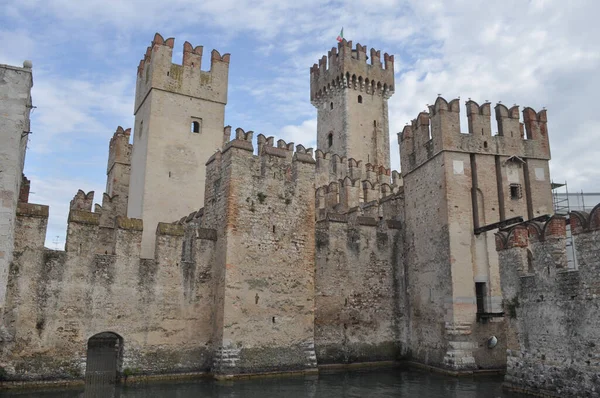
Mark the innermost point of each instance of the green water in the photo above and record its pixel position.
(379, 383)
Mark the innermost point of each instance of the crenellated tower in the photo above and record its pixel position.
(179, 117)
(459, 188)
(350, 91)
(118, 169)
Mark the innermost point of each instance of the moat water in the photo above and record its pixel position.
(376, 383)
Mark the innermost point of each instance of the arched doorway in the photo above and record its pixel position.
(104, 353)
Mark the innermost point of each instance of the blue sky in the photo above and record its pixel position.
(538, 53)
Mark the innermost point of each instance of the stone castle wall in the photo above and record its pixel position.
(552, 310)
(360, 289)
(160, 307)
(15, 106)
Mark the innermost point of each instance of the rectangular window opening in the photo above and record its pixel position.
(516, 192)
(480, 293)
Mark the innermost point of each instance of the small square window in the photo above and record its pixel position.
(516, 191)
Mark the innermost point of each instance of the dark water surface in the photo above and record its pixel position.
(377, 383)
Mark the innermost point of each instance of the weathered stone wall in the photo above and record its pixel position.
(263, 208)
(553, 337)
(427, 252)
(57, 300)
(360, 301)
(15, 106)
(167, 164)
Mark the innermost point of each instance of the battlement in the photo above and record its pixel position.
(82, 201)
(582, 221)
(274, 171)
(332, 167)
(439, 130)
(119, 150)
(353, 195)
(523, 235)
(156, 70)
(542, 245)
(265, 147)
(548, 302)
(347, 68)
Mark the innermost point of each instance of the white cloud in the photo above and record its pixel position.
(304, 134)
(70, 109)
(534, 53)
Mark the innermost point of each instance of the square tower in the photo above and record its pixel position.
(15, 107)
(179, 117)
(351, 97)
(459, 188)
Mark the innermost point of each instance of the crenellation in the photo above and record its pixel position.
(551, 307)
(375, 57)
(206, 256)
(479, 118)
(347, 67)
(226, 135)
(25, 188)
(509, 124)
(31, 225)
(82, 201)
(388, 61)
(192, 56)
(439, 130)
(157, 70)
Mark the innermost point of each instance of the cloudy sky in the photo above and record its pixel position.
(538, 53)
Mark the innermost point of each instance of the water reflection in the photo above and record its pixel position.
(380, 383)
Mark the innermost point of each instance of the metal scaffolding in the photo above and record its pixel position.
(565, 202)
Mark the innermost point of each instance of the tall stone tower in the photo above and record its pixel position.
(351, 97)
(15, 107)
(118, 170)
(179, 117)
(455, 184)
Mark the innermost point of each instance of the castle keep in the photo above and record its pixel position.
(274, 257)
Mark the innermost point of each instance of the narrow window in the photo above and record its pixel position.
(141, 128)
(374, 123)
(480, 296)
(485, 144)
(331, 105)
(360, 99)
(196, 126)
(273, 228)
(330, 140)
(515, 191)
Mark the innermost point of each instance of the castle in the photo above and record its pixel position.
(225, 255)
